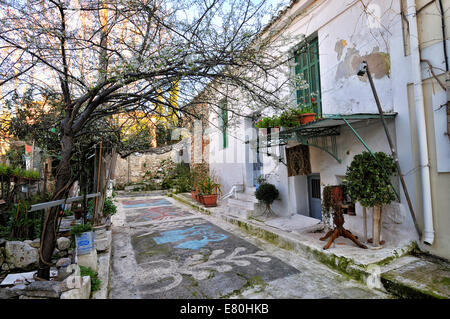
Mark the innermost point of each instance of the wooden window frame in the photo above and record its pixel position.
(307, 62)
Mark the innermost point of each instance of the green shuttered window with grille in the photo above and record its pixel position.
(307, 65)
(224, 123)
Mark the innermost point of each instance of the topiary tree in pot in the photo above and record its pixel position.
(368, 182)
(267, 193)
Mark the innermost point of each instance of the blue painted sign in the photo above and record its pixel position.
(85, 243)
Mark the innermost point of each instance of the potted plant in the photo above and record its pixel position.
(289, 119)
(266, 122)
(306, 115)
(210, 190)
(267, 193)
(109, 209)
(368, 181)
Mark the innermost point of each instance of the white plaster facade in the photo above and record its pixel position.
(348, 32)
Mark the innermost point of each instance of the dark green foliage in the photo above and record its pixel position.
(267, 193)
(178, 178)
(368, 179)
(15, 155)
(326, 200)
(18, 172)
(163, 135)
(18, 223)
(95, 281)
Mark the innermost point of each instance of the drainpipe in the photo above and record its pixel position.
(428, 234)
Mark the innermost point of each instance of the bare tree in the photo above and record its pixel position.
(99, 58)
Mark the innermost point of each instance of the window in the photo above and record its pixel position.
(307, 64)
(224, 122)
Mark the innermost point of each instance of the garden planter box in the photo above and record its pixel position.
(209, 200)
(85, 243)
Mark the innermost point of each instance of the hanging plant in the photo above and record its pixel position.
(368, 179)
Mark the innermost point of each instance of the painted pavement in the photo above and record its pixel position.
(162, 250)
(186, 256)
(151, 202)
(161, 213)
(189, 260)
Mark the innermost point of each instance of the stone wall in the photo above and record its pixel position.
(132, 169)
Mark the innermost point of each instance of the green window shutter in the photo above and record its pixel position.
(224, 124)
(307, 64)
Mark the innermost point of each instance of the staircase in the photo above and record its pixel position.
(244, 204)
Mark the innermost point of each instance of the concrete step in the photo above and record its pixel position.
(240, 204)
(246, 197)
(238, 212)
(250, 190)
(418, 277)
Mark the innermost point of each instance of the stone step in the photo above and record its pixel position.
(250, 190)
(246, 197)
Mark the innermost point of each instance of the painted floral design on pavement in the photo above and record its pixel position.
(157, 272)
(206, 232)
(157, 214)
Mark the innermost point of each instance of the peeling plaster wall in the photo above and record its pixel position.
(345, 42)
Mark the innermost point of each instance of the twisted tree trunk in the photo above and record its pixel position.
(48, 232)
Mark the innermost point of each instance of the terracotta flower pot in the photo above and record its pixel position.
(306, 118)
(209, 200)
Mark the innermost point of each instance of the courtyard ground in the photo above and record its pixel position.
(163, 249)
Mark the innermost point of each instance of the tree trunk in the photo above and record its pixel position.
(376, 227)
(48, 232)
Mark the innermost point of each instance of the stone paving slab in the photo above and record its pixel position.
(419, 278)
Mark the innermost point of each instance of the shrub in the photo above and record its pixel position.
(109, 208)
(78, 229)
(267, 193)
(20, 223)
(368, 179)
